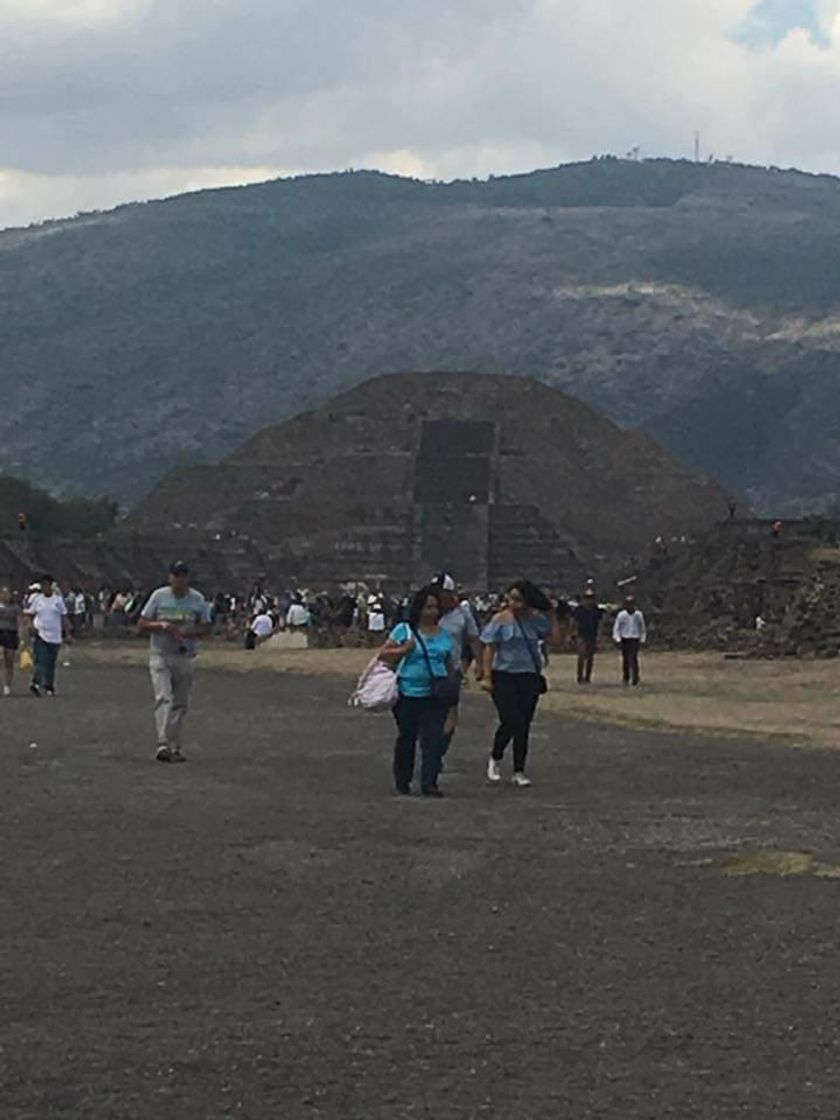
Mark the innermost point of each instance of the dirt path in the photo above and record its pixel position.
(267, 933)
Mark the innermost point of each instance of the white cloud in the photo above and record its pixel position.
(148, 97)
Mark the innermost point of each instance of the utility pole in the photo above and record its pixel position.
(697, 146)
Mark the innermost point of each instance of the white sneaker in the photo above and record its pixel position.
(494, 774)
(6, 690)
(521, 780)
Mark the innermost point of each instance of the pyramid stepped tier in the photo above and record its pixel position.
(485, 475)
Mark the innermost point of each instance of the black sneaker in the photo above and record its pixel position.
(433, 791)
(49, 691)
(34, 689)
(169, 754)
(404, 791)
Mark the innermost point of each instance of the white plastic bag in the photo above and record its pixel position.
(377, 690)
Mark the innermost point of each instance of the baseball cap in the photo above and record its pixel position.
(445, 582)
(179, 568)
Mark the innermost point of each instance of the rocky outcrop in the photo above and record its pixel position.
(711, 592)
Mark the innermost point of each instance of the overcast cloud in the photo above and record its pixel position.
(103, 101)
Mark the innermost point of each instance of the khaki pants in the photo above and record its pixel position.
(172, 678)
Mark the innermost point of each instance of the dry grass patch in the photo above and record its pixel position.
(799, 700)
(705, 692)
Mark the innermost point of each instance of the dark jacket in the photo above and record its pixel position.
(588, 622)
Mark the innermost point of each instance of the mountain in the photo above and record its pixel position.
(483, 475)
(698, 303)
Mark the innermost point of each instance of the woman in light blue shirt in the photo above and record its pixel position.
(513, 671)
(424, 654)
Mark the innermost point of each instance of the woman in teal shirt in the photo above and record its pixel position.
(422, 652)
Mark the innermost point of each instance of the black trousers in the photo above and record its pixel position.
(586, 659)
(423, 719)
(516, 696)
(630, 659)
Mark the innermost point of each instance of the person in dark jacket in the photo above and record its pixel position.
(587, 617)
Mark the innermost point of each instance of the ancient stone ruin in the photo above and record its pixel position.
(487, 475)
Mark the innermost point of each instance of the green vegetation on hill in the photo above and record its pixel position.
(698, 303)
(46, 516)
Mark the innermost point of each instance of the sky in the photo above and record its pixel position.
(104, 101)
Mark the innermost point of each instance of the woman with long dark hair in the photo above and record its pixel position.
(425, 656)
(513, 671)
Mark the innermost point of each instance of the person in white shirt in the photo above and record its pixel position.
(630, 633)
(376, 619)
(47, 613)
(260, 630)
(298, 616)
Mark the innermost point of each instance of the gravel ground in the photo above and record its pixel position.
(268, 933)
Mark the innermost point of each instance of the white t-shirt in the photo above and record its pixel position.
(376, 622)
(297, 616)
(263, 625)
(47, 612)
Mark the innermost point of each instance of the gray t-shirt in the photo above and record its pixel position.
(460, 626)
(9, 617)
(189, 611)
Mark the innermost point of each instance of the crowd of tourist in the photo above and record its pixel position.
(430, 641)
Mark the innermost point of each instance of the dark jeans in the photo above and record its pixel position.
(45, 655)
(420, 718)
(630, 659)
(515, 696)
(586, 659)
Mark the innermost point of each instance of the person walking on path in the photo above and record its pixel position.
(175, 617)
(630, 633)
(587, 616)
(50, 625)
(9, 636)
(425, 657)
(458, 621)
(513, 672)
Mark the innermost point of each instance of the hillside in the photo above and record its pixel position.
(47, 518)
(698, 303)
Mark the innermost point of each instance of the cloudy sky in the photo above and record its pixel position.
(103, 101)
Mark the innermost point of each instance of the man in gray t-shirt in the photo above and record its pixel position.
(174, 617)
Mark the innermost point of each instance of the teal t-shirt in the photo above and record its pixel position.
(413, 671)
